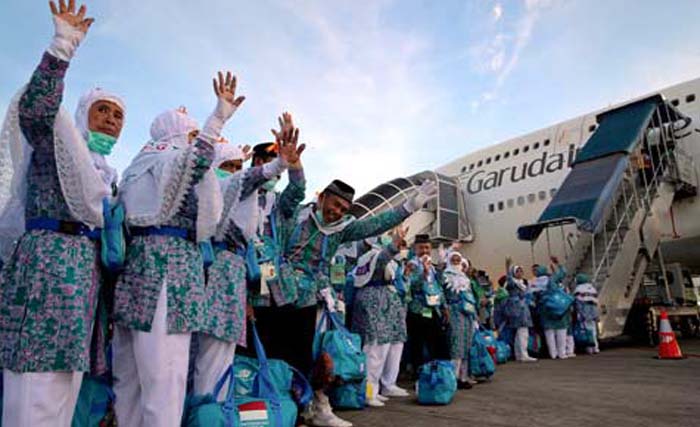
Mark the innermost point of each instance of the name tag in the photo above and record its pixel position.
(338, 274)
(427, 312)
(432, 300)
(267, 272)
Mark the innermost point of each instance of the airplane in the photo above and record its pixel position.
(491, 197)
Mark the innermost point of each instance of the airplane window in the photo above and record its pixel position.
(546, 142)
(521, 200)
(497, 158)
(464, 169)
(488, 160)
(471, 166)
(531, 198)
(591, 128)
(481, 162)
(491, 207)
(516, 151)
(510, 203)
(552, 192)
(690, 98)
(500, 205)
(526, 149)
(506, 154)
(675, 102)
(542, 195)
(536, 146)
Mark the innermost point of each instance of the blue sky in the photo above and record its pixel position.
(379, 88)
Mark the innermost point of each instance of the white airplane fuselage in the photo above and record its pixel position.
(511, 183)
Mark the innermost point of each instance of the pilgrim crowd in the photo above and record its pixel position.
(158, 281)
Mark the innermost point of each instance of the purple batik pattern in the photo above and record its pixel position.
(226, 298)
(154, 261)
(49, 287)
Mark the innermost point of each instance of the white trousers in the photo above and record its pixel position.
(591, 326)
(213, 359)
(520, 343)
(150, 372)
(390, 373)
(383, 364)
(556, 342)
(39, 399)
(461, 369)
(570, 345)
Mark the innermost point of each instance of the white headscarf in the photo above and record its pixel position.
(520, 283)
(80, 172)
(158, 179)
(109, 174)
(455, 279)
(225, 151)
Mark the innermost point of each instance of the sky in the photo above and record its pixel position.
(379, 89)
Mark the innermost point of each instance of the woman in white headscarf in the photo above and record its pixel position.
(53, 181)
(517, 311)
(225, 324)
(379, 317)
(173, 204)
(463, 315)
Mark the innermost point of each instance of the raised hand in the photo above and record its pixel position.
(399, 235)
(225, 89)
(287, 140)
(67, 14)
(247, 154)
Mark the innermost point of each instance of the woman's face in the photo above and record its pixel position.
(192, 135)
(106, 117)
(518, 273)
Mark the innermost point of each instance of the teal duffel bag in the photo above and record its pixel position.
(265, 406)
(94, 407)
(349, 395)
(344, 347)
(437, 383)
(503, 352)
(481, 364)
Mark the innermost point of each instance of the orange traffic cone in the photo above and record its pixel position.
(668, 346)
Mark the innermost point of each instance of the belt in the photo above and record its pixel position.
(228, 247)
(375, 284)
(182, 233)
(72, 228)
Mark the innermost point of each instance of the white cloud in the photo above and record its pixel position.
(354, 85)
(497, 11)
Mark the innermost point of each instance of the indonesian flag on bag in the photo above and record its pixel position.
(254, 414)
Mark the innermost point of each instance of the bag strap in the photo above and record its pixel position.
(307, 392)
(316, 350)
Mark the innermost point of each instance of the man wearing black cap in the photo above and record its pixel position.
(312, 238)
(427, 314)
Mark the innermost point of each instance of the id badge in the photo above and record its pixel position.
(338, 274)
(267, 272)
(427, 312)
(433, 300)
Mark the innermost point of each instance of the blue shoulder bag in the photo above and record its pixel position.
(113, 245)
(344, 348)
(437, 383)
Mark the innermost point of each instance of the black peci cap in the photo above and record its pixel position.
(265, 150)
(422, 238)
(340, 189)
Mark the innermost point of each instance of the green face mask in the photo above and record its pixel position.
(222, 174)
(270, 184)
(101, 143)
(385, 240)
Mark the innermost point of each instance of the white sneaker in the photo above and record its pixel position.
(394, 391)
(323, 415)
(382, 398)
(375, 403)
(528, 359)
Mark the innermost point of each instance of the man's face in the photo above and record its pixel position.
(422, 249)
(106, 117)
(232, 166)
(333, 207)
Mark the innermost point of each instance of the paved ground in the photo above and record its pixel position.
(618, 387)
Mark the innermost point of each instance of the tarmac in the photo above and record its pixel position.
(618, 387)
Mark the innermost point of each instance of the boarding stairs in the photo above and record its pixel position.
(632, 172)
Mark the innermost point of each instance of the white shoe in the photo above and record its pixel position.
(528, 359)
(323, 415)
(382, 398)
(375, 403)
(394, 391)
